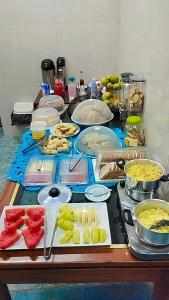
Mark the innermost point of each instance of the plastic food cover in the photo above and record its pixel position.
(47, 114)
(92, 112)
(54, 101)
(95, 139)
(40, 171)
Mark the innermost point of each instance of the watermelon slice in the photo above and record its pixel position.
(12, 226)
(7, 239)
(34, 225)
(32, 239)
(35, 213)
(13, 214)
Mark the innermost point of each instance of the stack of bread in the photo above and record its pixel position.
(106, 162)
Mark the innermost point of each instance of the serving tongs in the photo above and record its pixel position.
(71, 169)
(34, 145)
(159, 224)
(46, 254)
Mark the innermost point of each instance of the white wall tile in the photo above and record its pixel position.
(90, 47)
(80, 11)
(22, 49)
(26, 12)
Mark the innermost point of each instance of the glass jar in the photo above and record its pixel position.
(134, 132)
(136, 95)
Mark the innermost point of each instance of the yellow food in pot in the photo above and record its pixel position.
(144, 171)
(151, 216)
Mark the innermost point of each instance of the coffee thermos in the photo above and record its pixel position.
(60, 72)
(48, 72)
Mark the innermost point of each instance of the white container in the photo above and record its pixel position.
(23, 108)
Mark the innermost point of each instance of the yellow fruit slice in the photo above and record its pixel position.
(65, 224)
(67, 216)
(86, 235)
(94, 235)
(102, 234)
(76, 237)
(66, 208)
(65, 238)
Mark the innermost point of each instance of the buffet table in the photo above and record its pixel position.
(67, 265)
(76, 265)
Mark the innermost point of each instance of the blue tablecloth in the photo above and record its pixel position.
(18, 167)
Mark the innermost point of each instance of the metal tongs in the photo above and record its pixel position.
(34, 145)
(78, 161)
(45, 254)
(160, 223)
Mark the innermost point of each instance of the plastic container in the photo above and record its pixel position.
(48, 114)
(78, 176)
(95, 139)
(136, 96)
(40, 171)
(134, 132)
(54, 101)
(92, 112)
(23, 108)
(72, 88)
(38, 129)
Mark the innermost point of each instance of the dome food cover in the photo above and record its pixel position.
(96, 139)
(92, 112)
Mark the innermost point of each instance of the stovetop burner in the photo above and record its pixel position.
(138, 248)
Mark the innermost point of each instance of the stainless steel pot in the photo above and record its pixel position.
(139, 190)
(146, 235)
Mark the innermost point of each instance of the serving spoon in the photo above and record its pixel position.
(160, 223)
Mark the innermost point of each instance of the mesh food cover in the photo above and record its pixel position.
(92, 112)
(47, 114)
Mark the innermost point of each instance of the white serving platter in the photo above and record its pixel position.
(53, 132)
(101, 209)
(50, 216)
(98, 180)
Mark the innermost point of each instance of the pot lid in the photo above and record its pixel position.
(53, 194)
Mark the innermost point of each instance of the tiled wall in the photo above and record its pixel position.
(144, 48)
(85, 32)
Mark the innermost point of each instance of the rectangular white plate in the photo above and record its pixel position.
(50, 217)
(101, 209)
(96, 175)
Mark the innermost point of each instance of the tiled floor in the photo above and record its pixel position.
(108, 291)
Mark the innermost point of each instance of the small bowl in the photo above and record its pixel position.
(95, 190)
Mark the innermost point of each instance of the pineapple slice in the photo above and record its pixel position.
(76, 236)
(65, 238)
(86, 235)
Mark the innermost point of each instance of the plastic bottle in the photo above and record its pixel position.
(93, 88)
(58, 88)
(81, 78)
(72, 88)
(45, 88)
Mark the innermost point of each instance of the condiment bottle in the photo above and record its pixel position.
(134, 132)
(58, 88)
(72, 88)
(81, 78)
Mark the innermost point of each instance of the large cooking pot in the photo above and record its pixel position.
(147, 235)
(140, 190)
